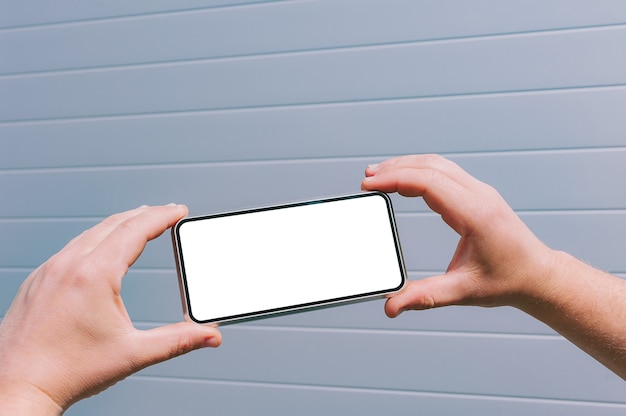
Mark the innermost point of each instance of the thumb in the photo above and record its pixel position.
(169, 341)
(427, 293)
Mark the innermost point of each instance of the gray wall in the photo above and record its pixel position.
(221, 105)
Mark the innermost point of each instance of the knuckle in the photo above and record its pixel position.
(114, 219)
(56, 266)
(63, 268)
(129, 226)
(427, 302)
(183, 345)
(432, 159)
(420, 299)
(71, 272)
(123, 222)
(434, 176)
(493, 204)
(80, 275)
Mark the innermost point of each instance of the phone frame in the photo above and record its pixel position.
(324, 303)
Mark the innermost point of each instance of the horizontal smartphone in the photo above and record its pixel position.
(249, 264)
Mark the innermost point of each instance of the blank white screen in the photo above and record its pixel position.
(259, 261)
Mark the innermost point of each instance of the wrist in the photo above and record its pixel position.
(544, 282)
(19, 398)
(561, 291)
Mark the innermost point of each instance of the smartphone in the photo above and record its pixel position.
(261, 262)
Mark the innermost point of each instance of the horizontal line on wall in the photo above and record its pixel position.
(378, 391)
(543, 212)
(184, 165)
(15, 269)
(136, 270)
(136, 16)
(145, 270)
(370, 331)
(297, 161)
(401, 332)
(398, 214)
(310, 51)
(60, 219)
(23, 269)
(530, 212)
(313, 105)
(148, 270)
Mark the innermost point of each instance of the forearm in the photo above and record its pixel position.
(586, 306)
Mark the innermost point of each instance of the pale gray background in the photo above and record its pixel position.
(221, 105)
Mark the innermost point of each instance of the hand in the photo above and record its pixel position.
(67, 334)
(498, 259)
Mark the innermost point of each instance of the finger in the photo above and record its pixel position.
(428, 293)
(455, 203)
(161, 344)
(89, 239)
(126, 241)
(428, 161)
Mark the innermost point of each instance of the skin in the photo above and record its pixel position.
(67, 334)
(499, 261)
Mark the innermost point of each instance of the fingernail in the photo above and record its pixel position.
(211, 342)
(372, 166)
(171, 204)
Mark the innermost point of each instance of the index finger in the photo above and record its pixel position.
(127, 240)
(86, 241)
(458, 197)
(443, 195)
(425, 161)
